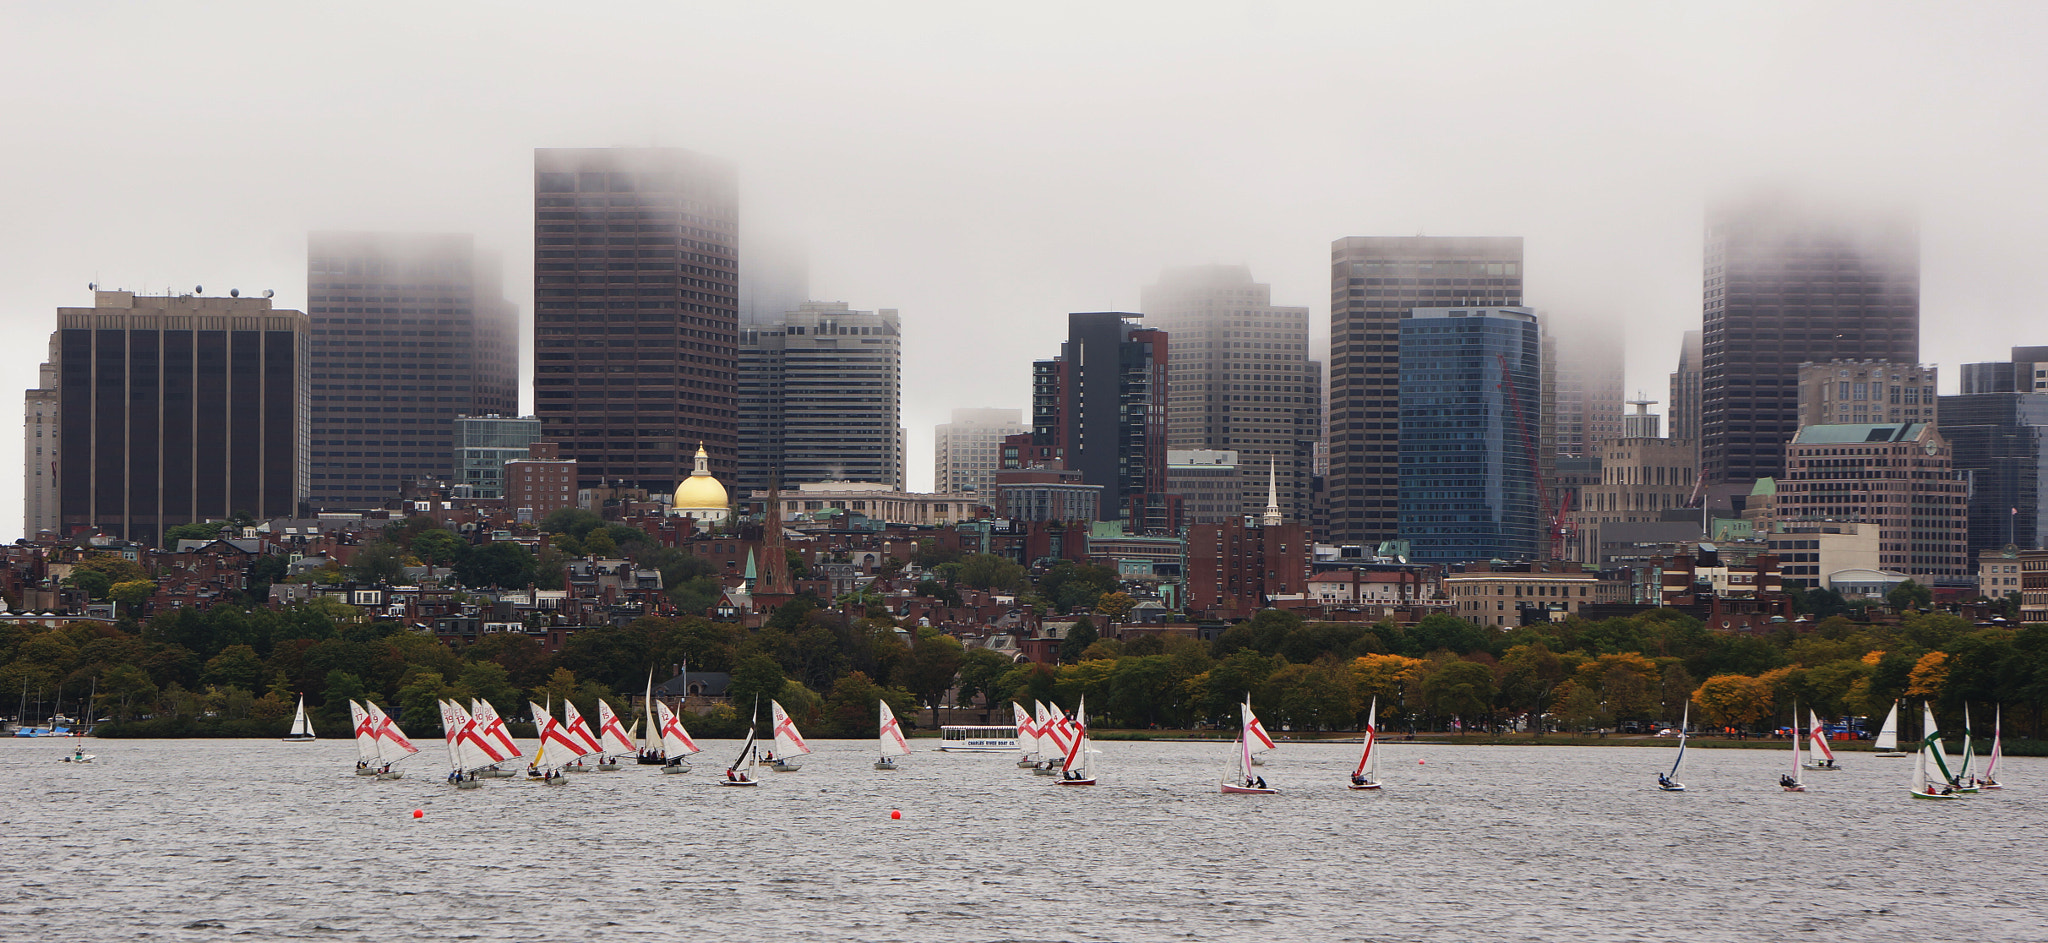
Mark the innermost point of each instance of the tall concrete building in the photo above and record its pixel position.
(636, 295)
(1899, 476)
(179, 409)
(1375, 281)
(1242, 380)
(1100, 406)
(1854, 391)
(1469, 379)
(410, 331)
(1590, 383)
(1685, 390)
(483, 444)
(821, 392)
(967, 452)
(39, 452)
(1787, 284)
(2000, 441)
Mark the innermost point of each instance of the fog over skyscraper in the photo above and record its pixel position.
(820, 396)
(636, 294)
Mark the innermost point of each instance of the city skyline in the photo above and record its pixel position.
(895, 193)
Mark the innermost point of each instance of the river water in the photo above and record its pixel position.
(247, 840)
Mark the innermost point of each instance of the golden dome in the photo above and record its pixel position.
(700, 491)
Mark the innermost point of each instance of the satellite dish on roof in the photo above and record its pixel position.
(199, 289)
(234, 293)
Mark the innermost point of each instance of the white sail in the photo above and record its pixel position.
(1027, 732)
(558, 748)
(366, 733)
(1051, 741)
(1077, 763)
(302, 726)
(1247, 722)
(891, 734)
(392, 743)
(574, 724)
(1368, 764)
(1997, 746)
(1817, 739)
(492, 727)
(1888, 735)
(653, 727)
(611, 734)
(452, 722)
(470, 748)
(1941, 771)
(1795, 749)
(675, 741)
(1965, 776)
(788, 742)
(1256, 730)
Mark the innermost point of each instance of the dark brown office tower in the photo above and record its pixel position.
(410, 331)
(1101, 406)
(1787, 284)
(1375, 281)
(178, 409)
(636, 287)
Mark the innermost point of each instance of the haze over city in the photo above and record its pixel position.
(986, 171)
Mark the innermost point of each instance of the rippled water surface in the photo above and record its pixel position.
(238, 840)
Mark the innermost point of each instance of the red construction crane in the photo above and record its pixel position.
(1557, 529)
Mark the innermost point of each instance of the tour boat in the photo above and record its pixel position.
(1989, 780)
(366, 740)
(1668, 782)
(492, 728)
(890, 736)
(1366, 776)
(1887, 743)
(613, 740)
(1820, 756)
(788, 742)
(1931, 778)
(675, 741)
(392, 743)
(740, 773)
(1793, 782)
(1246, 782)
(302, 726)
(1027, 736)
(1077, 769)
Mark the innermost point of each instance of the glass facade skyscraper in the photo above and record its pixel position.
(1469, 422)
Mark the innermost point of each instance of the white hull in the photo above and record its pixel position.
(607, 767)
(79, 759)
(394, 774)
(1798, 788)
(469, 784)
(1674, 787)
(785, 768)
(1891, 753)
(739, 782)
(1074, 782)
(672, 770)
(366, 771)
(1819, 767)
(494, 773)
(885, 764)
(1234, 789)
(1364, 786)
(555, 781)
(1258, 761)
(300, 739)
(1026, 764)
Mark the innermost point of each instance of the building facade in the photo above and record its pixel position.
(1785, 285)
(2026, 372)
(483, 444)
(1102, 406)
(968, 451)
(1208, 482)
(410, 331)
(541, 483)
(1589, 384)
(1235, 567)
(1853, 391)
(39, 431)
(820, 397)
(1496, 595)
(1812, 553)
(2000, 441)
(1375, 281)
(1242, 380)
(179, 409)
(635, 289)
(1641, 479)
(1468, 420)
(1899, 477)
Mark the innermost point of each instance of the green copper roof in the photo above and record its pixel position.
(1857, 433)
(1764, 487)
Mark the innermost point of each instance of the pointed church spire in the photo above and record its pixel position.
(1272, 518)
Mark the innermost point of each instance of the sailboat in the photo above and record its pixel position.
(466, 753)
(577, 728)
(651, 751)
(558, 748)
(1931, 778)
(1669, 781)
(675, 741)
(1966, 775)
(613, 740)
(1246, 782)
(788, 742)
(1077, 769)
(890, 737)
(1792, 782)
(1027, 736)
(366, 740)
(1052, 740)
(1821, 757)
(740, 773)
(392, 743)
(1366, 776)
(1887, 743)
(302, 726)
(492, 729)
(1988, 780)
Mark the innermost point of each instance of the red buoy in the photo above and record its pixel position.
(419, 813)
(895, 813)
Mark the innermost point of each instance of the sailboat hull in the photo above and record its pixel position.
(739, 782)
(302, 738)
(1890, 753)
(366, 772)
(672, 770)
(394, 774)
(1934, 796)
(1364, 787)
(1230, 789)
(1798, 788)
(494, 773)
(555, 781)
(607, 767)
(885, 764)
(1026, 764)
(469, 784)
(1820, 767)
(1073, 782)
(1674, 787)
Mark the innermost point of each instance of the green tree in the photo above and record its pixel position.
(1909, 595)
(1077, 640)
(1460, 688)
(380, 563)
(935, 659)
(502, 564)
(988, 571)
(133, 596)
(95, 583)
(756, 678)
(1115, 607)
(575, 522)
(980, 672)
(440, 546)
(235, 666)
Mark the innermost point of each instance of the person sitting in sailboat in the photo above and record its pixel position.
(1787, 781)
(1663, 780)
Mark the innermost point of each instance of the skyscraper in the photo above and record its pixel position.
(1685, 392)
(967, 451)
(39, 452)
(179, 409)
(1469, 379)
(1102, 404)
(1375, 281)
(1589, 371)
(483, 444)
(635, 284)
(1786, 284)
(821, 390)
(409, 331)
(2000, 440)
(1862, 391)
(1242, 380)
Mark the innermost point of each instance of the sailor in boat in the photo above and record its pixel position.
(362, 764)
(1787, 781)
(1663, 780)
(386, 769)
(730, 776)
(1262, 782)
(1357, 780)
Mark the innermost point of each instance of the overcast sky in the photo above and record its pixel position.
(986, 168)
